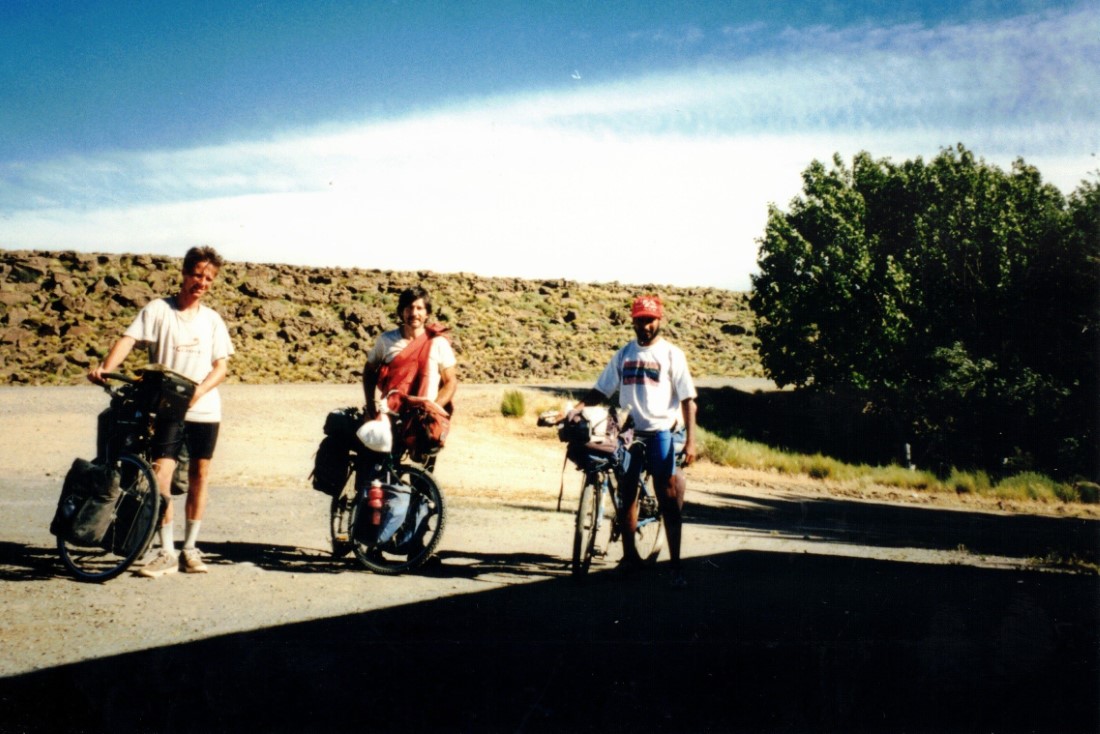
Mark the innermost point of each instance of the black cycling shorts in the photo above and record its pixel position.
(169, 436)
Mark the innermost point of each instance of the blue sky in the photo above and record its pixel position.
(636, 141)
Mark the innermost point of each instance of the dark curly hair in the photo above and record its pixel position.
(409, 296)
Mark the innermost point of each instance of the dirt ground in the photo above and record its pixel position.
(801, 598)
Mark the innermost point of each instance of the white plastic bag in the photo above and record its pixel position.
(377, 434)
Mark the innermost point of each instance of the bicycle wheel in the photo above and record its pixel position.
(593, 527)
(648, 537)
(584, 531)
(137, 514)
(418, 536)
(339, 524)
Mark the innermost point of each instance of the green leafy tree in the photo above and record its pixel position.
(957, 297)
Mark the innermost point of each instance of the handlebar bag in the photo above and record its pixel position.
(164, 393)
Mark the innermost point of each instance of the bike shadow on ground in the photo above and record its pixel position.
(22, 562)
(758, 642)
(455, 564)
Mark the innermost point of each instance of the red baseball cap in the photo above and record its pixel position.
(647, 307)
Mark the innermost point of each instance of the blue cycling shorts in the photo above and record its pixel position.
(661, 448)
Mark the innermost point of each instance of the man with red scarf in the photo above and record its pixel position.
(414, 361)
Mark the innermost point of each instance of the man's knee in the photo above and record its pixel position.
(198, 470)
(672, 493)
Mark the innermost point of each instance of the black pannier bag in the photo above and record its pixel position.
(117, 428)
(87, 505)
(343, 423)
(332, 463)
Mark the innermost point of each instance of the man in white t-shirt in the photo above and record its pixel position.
(185, 336)
(655, 387)
(415, 360)
(413, 363)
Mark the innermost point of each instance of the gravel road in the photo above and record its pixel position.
(809, 608)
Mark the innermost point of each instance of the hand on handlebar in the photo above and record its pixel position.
(95, 375)
(553, 418)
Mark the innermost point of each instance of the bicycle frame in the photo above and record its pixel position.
(123, 441)
(421, 530)
(604, 474)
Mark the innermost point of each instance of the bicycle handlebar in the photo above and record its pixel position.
(120, 377)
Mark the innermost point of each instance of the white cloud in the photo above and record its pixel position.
(663, 179)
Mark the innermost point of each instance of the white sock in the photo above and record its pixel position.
(192, 533)
(167, 540)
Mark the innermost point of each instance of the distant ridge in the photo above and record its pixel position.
(61, 310)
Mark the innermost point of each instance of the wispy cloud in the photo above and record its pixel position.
(663, 178)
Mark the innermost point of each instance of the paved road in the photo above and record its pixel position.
(822, 615)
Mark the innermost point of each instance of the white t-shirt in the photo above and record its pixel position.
(652, 382)
(189, 347)
(440, 357)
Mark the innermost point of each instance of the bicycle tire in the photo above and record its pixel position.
(339, 524)
(137, 515)
(586, 526)
(648, 538)
(388, 559)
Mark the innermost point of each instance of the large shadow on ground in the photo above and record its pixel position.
(759, 642)
(1039, 540)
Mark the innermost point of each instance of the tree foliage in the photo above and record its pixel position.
(958, 297)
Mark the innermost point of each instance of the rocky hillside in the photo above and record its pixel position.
(60, 312)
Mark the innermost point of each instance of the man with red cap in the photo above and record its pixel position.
(655, 386)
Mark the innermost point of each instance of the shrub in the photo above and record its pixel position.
(513, 405)
(900, 476)
(967, 483)
(820, 467)
(1027, 485)
(1088, 492)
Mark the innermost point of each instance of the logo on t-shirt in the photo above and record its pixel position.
(639, 372)
(194, 347)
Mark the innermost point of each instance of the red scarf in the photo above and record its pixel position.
(407, 373)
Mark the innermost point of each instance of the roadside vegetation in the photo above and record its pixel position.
(1024, 486)
(740, 453)
(957, 300)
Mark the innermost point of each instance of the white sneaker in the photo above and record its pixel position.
(191, 561)
(164, 562)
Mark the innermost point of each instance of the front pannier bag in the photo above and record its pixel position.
(332, 463)
(87, 505)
